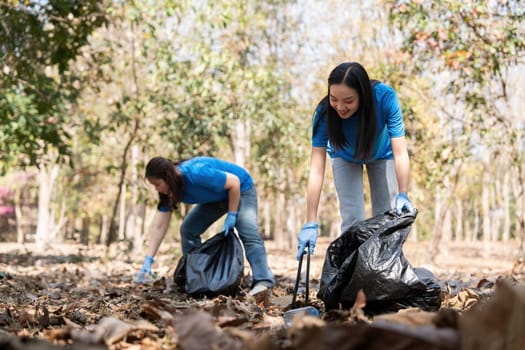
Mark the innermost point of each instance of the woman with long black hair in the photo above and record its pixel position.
(359, 124)
(216, 187)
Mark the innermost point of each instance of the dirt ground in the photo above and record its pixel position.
(456, 260)
(73, 294)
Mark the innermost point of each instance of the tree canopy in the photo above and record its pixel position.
(39, 40)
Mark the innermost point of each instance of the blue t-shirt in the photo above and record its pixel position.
(389, 125)
(204, 180)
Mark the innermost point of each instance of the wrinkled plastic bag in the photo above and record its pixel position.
(369, 256)
(215, 268)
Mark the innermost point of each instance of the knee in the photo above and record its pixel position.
(187, 230)
(184, 228)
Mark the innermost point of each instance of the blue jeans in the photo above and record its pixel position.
(203, 215)
(348, 178)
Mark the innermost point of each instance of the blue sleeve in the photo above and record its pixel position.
(163, 205)
(394, 117)
(163, 208)
(319, 129)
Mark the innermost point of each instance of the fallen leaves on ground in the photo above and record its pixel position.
(87, 303)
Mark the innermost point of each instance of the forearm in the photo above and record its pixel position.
(313, 196)
(315, 183)
(234, 196)
(233, 186)
(158, 232)
(402, 173)
(155, 241)
(401, 163)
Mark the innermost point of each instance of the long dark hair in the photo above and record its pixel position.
(353, 75)
(165, 169)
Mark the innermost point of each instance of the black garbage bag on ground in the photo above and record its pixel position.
(215, 268)
(369, 256)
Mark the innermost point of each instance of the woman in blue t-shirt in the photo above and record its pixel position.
(216, 187)
(359, 124)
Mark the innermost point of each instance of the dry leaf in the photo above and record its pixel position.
(196, 331)
(75, 296)
(110, 330)
(359, 336)
(497, 323)
(410, 317)
(230, 321)
(158, 314)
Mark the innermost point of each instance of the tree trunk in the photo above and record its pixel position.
(519, 189)
(469, 229)
(496, 212)
(240, 142)
(446, 230)
(103, 234)
(139, 225)
(280, 220)
(495, 225)
(20, 239)
(58, 231)
(122, 214)
(522, 212)
(505, 233)
(440, 212)
(291, 220)
(477, 225)
(46, 182)
(459, 234)
(485, 204)
(442, 207)
(139, 113)
(84, 231)
(112, 234)
(134, 222)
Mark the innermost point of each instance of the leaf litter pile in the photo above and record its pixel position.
(89, 300)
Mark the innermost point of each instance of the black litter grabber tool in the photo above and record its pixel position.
(307, 309)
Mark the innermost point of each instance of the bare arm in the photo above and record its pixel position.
(401, 162)
(315, 182)
(158, 231)
(233, 186)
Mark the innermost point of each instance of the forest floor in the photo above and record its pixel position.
(85, 298)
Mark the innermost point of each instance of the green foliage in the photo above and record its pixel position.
(477, 41)
(475, 45)
(252, 82)
(25, 131)
(213, 75)
(470, 49)
(38, 40)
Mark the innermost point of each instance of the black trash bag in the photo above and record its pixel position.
(215, 268)
(369, 256)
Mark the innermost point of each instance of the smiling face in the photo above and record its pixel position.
(344, 99)
(160, 185)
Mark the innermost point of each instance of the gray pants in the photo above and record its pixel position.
(348, 178)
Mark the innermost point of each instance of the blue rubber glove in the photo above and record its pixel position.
(229, 222)
(403, 203)
(145, 271)
(307, 238)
